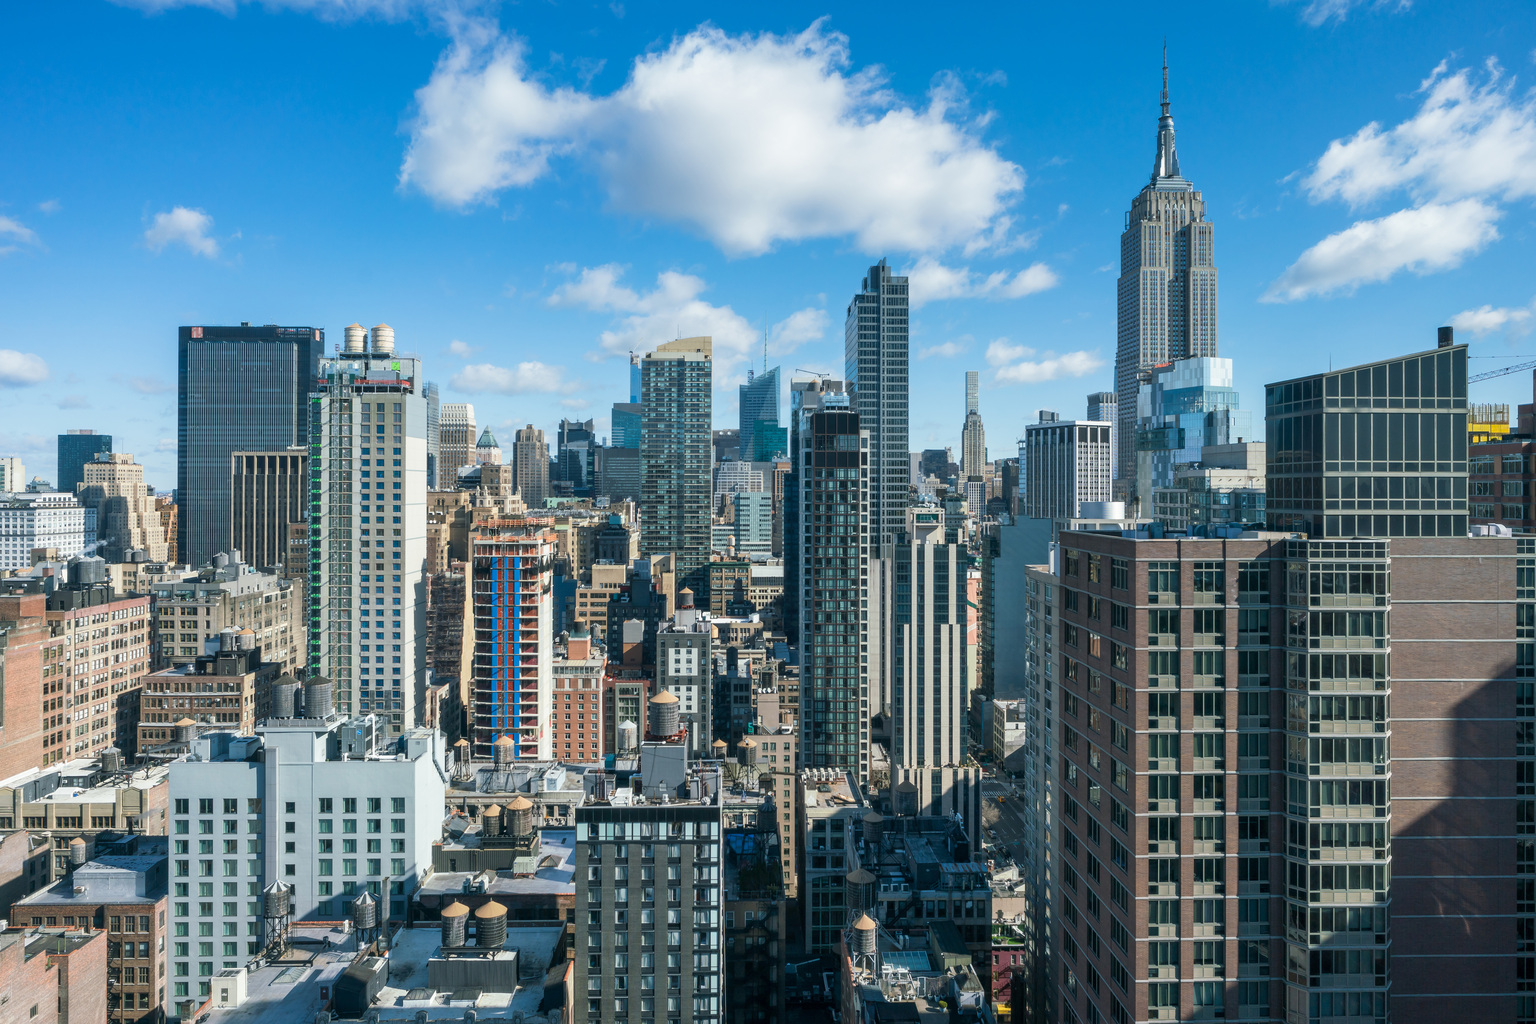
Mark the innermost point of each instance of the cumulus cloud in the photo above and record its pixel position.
(1470, 147)
(1424, 239)
(1319, 12)
(1020, 364)
(528, 378)
(944, 350)
(458, 348)
(50, 206)
(931, 281)
(182, 226)
(20, 369)
(1487, 319)
(675, 309)
(749, 139)
(14, 234)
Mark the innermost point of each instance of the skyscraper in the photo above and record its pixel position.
(530, 463)
(456, 438)
(434, 433)
(267, 494)
(973, 436)
(368, 529)
(875, 361)
(1104, 407)
(1167, 286)
(1182, 407)
(675, 458)
(831, 489)
(759, 404)
(1064, 464)
(576, 455)
(126, 517)
(513, 618)
(76, 448)
(239, 388)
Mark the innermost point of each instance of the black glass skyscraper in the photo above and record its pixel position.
(240, 389)
(875, 364)
(675, 458)
(76, 448)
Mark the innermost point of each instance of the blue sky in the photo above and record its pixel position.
(528, 191)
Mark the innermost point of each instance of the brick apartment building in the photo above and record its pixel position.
(54, 977)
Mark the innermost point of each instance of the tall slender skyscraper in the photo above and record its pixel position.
(368, 529)
(530, 463)
(1167, 287)
(434, 433)
(973, 436)
(875, 361)
(675, 458)
(759, 404)
(972, 391)
(456, 439)
(240, 389)
(76, 448)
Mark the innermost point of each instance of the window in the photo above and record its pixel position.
(1120, 573)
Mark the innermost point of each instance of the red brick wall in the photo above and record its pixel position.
(21, 733)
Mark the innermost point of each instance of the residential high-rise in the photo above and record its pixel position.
(633, 850)
(1400, 471)
(685, 668)
(239, 388)
(76, 448)
(875, 366)
(1167, 285)
(1064, 464)
(267, 495)
(1104, 407)
(973, 435)
(829, 571)
(530, 461)
(675, 458)
(368, 529)
(13, 475)
(326, 809)
(759, 401)
(754, 523)
(456, 439)
(126, 517)
(513, 616)
(1183, 407)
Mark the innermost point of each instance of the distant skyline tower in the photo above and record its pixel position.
(972, 391)
(456, 443)
(875, 363)
(973, 435)
(530, 464)
(759, 402)
(676, 456)
(1167, 285)
(1103, 407)
(76, 448)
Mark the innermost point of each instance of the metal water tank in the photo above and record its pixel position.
(504, 752)
(317, 698)
(365, 912)
(455, 924)
(491, 925)
(274, 900)
(490, 821)
(112, 760)
(76, 852)
(517, 821)
(859, 890)
(749, 751)
(383, 340)
(357, 339)
(863, 939)
(285, 697)
(874, 829)
(629, 736)
(186, 729)
(665, 715)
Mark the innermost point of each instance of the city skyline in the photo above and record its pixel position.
(1259, 146)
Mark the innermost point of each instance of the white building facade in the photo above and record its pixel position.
(43, 519)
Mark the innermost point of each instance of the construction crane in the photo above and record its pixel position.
(1490, 374)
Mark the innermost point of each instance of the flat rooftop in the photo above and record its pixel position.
(556, 872)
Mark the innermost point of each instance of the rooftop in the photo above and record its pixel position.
(555, 872)
(81, 781)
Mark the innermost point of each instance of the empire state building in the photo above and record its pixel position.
(1167, 286)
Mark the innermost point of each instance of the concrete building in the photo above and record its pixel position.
(76, 448)
(875, 367)
(456, 443)
(123, 894)
(126, 517)
(33, 520)
(55, 976)
(648, 928)
(675, 458)
(1104, 407)
(832, 521)
(226, 690)
(576, 721)
(267, 496)
(1065, 463)
(832, 814)
(530, 458)
(1008, 735)
(320, 809)
(513, 693)
(93, 800)
(1166, 293)
(242, 388)
(685, 669)
(594, 590)
(13, 474)
(752, 530)
(368, 490)
(190, 611)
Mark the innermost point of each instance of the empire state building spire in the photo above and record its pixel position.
(1167, 163)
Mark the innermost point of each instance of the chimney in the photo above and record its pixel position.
(1447, 337)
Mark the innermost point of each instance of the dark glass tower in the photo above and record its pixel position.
(240, 389)
(759, 400)
(675, 459)
(1372, 451)
(76, 448)
(875, 362)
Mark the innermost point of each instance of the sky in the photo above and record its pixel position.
(529, 192)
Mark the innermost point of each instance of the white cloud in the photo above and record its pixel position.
(674, 309)
(19, 369)
(50, 206)
(458, 348)
(932, 281)
(1437, 236)
(166, 444)
(944, 350)
(751, 140)
(528, 378)
(14, 234)
(1318, 12)
(1467, 139)
(182, 226)
(150, 385)
(1487, 319)
(1016, 364)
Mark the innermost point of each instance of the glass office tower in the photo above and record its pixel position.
(240, 389)
(76, 448)
(675, 458)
